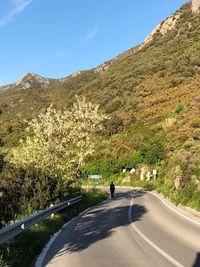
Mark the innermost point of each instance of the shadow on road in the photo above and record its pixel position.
(97, 224)
(197, 261)
(136, 194)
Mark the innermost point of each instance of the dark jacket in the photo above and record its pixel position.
(112, 187)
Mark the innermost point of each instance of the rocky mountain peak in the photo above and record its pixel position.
(28, 81)
(32, 80)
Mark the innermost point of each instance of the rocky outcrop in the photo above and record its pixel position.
(75, 74)
(103, 67)
(143, 172)
(162, 28)
(170, 23)
(195, 5)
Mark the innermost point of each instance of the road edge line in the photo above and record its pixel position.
(40, 259)
(173, 209)
(147, 240)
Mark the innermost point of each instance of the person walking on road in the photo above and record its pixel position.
(112, 189)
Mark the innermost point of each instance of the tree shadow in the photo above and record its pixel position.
(97, 224)
(129, 195)
(197, 261)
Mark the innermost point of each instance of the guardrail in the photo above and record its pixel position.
(15, 229)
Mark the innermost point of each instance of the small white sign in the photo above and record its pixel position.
(154, 172)
(95, 176)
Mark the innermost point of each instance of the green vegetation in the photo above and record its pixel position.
(25, 191)
(24, 249)
(177, 111)
(59, 141)
(151, 152)
(151, 96)
(44, 167)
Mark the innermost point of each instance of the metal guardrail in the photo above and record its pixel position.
(15, 229)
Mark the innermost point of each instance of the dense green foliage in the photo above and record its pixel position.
(153, 150)
(149, 154)
(111, 165)
(25, 191)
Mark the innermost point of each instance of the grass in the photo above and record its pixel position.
(24, 249)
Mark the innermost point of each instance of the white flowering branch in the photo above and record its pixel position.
(59, 141)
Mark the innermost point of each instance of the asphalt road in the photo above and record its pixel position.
(133, 229)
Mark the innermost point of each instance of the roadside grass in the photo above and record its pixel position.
(24, 249)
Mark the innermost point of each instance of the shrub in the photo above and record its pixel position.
(11, 193)
(23, 191)
(178, 110)
(196, 134)
(195, 123)
(114, 125)
(153, 150)
(112, 165)
(197, 171)
(114, 105)
(177, 82)
(130, 162)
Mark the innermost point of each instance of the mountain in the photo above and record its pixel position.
(28, 81)
(152, 89)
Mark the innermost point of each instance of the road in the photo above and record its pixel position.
(134, 229)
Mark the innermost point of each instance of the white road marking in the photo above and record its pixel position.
(41, 257)
(43, 254)
(163, 201)
(159, 250)
(178, 212)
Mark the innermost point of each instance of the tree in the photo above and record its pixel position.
(59, 141)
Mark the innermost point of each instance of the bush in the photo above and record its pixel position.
(196, 134)
(24, 191)
(153, 151)
(112, 165)
(197, 171)
(177, 82)
(178, 110)
(113, 125)
(131, 161)
(195, 123)
(11, 193)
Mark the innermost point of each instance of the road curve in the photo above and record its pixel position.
(133, 229)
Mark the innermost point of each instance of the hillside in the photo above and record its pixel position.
(149, 90)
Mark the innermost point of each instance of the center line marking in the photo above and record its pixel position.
(163, 253)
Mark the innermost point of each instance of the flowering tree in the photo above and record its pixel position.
(59, 141)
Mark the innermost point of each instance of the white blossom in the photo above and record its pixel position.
(59, 141)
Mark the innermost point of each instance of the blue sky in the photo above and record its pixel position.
(55, 38)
